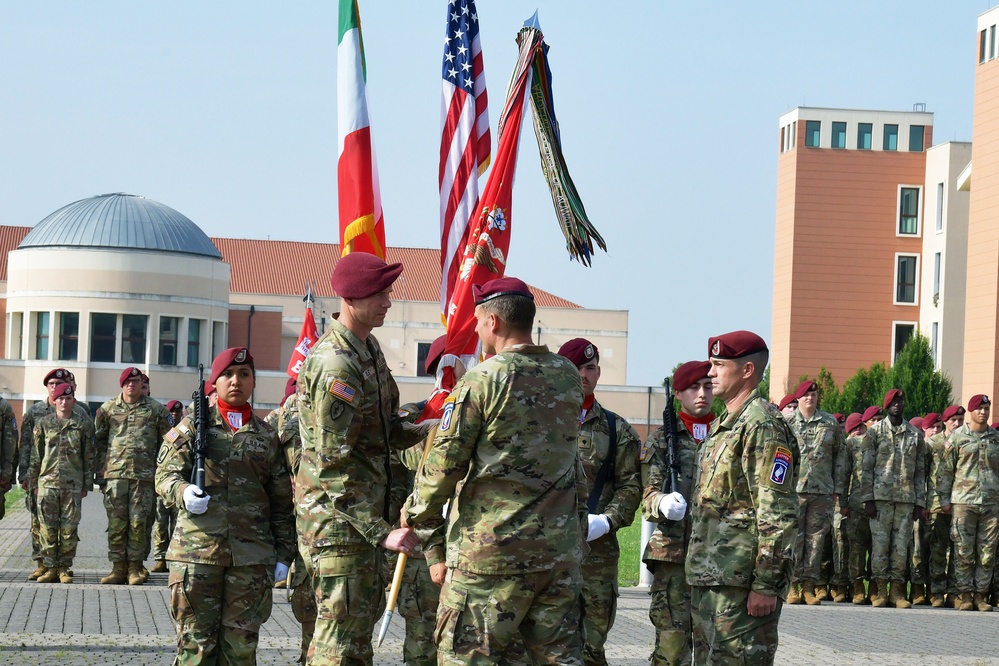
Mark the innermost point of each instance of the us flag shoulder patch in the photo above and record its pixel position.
(172, 435)
(782, 464)
(343, 390)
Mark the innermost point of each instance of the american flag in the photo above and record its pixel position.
(464, 137)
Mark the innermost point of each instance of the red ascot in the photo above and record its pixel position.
(235, 417)
(692, 422)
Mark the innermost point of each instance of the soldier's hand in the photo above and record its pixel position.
(438, 573)
(402, 540)
(759, 605)
(673, 506)
(83, 493)
(947, 509)
(919, 513)
(195, 501)
(24, 485)
(4, 486)
(597, 525)
(844, 511)
(870, 509)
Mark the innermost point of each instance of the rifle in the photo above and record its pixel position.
(671, 483)
(200, 432)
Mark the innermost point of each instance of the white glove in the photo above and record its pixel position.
(673, 506)
(597, 525)
(280, 571)
(193, 502)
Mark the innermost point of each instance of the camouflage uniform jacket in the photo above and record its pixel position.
(128, 438)
(35, 412)
(895, 470)
(348, 406)
(63, 453)
(938, 448)
(250, 517)
(853, 496)
(669, 542)
(744, 513)
(8, 443)
(823, 453)
(971, 470)
(622, 494)
(506, 456)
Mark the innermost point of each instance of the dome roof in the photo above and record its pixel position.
(121, 221)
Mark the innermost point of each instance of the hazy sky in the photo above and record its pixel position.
(226, 111)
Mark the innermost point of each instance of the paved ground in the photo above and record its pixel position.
(85, 623)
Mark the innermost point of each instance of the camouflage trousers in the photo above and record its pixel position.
(598, 602)
(163, 523)
(891, 538)
(919, 564)
(3, 505)
(349, 588)
(59, 518)
(815, 516)
(218, 611)
(129, 503)
(724, 632)
(975, 531)
(303, 604)
(840, 551)
(669, 612)
(938, 548)
(857, 528)
(479, 615)
(418, 599)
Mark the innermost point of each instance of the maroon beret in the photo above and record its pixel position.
(870, 413)
(58, 373)
(504, 286)
(930, 420)
(853, 421)
(786, 400)
(359, 275)
(63, 389)
(735, 345)
(689, 374)
(129, 373)
(917, 421)
(231, 356)
(289, 387)
(434, 355)
(977, 401)
(174, 404)
(952, 411)
(840, 418)
(70, 377)
(579, 351)
(891, 395)
(804, 387)
(995, 425)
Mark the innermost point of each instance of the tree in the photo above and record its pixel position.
(926, 390)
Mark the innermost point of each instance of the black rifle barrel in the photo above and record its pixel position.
(200, 432)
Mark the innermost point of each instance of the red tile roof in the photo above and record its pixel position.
(283, 267)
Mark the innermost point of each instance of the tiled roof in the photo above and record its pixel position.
(283, 267)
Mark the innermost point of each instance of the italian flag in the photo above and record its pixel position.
(362, 228)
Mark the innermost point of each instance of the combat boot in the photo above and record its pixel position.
(65, 575)
(118, 575)
(821, 593)
(840, 594)
(964, 602)
(982, 602)
(50, 576)
(859, 593)
(37, 572)
(135, 573)
(143, 572)
(897, 596)
(878, 597)
(918, 594)
(794, 594)
(808, 592)
(159, 567)
(937, 600)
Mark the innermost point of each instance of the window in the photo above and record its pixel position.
(839, 135)
(937, 260)
(41, 335)
(940, 206)
(992, 42)
(865, 136)
(916, 139)
(794, 130)
(218, 338)
(16, 336)
(891, 137)
(902, 334)
(133, 338)
(905, 278)
(783, 139)
(422, 350)
(168, 340)
(103, 335)
(908, 211)
(935, 343)
(812, 133)
(981, 47)
(69, 335)
(193, 342)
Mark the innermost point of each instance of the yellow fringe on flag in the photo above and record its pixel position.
(364, 225)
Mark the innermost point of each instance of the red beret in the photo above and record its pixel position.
(917, 421)
(786, 400)
(289, 387)
(977, 401)
(434, 355)
(735, 345)
(359, 275)
(891, 395)
(870, 413)
(504, 286)
(579, 351)
(129, 373)
(63, 389)
(70, 377)
(804, 387)
(690, 373)
(231, 356)
(853, 421)
(840, 418)
(952, 411)
(59, 373)
(173, 404)
(930, 420)
(995, 425)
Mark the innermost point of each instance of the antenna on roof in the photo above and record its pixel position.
(919, 107)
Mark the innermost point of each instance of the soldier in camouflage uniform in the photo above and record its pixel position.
(612, 506)
(970, 478)
(788, 406)
(941, 548)
(348, 408)
(165, 518)
(35, 412)
(129, 430)
(919, 568)
(821, 478)
(744, 513)
(893, 489)
(61, 474)
(8, 450)
(856, 525)
(664, 554)
(506, 458)
(231, 533)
